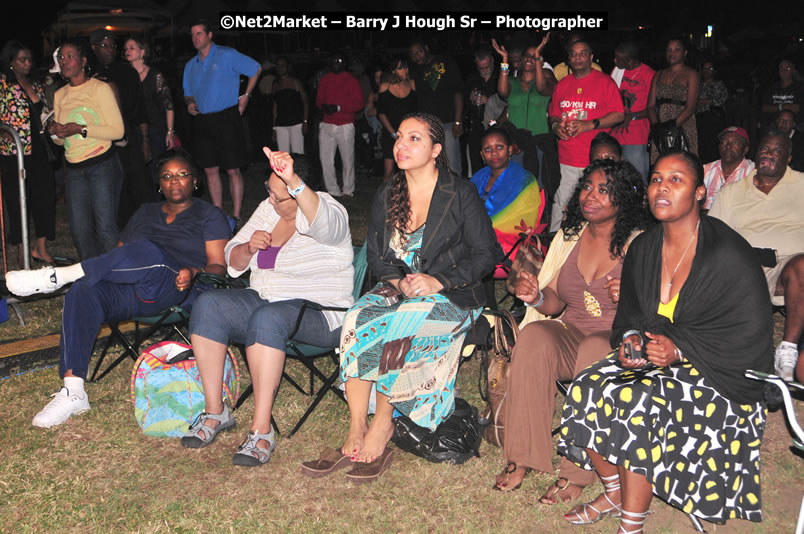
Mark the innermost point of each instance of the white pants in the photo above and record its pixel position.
(330, 135)
(569, 181)
(290, 139)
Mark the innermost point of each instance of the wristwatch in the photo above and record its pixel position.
(84, 132)
(596, 123)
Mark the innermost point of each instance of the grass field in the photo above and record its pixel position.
(99, 473)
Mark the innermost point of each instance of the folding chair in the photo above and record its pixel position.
(790, 413)
(175, 318)
(309, 354)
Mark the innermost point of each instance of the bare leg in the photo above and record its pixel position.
(608, 501)
(236, 190)
(215, 187)
(380, 431)
(265, 365)
(636, 496)
(791, 285)
(40, 250)
(210, 357)
(357, 396)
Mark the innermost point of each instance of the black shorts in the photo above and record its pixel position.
(220, 140)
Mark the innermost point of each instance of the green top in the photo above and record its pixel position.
(527, 109)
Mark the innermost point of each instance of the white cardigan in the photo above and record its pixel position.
(315, 264)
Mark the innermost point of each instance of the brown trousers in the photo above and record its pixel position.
(545, 351)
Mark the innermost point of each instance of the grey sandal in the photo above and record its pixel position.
(193, 439)
(250, 455)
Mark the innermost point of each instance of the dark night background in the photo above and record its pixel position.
(747, 43)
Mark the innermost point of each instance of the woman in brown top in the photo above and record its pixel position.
(581, 285)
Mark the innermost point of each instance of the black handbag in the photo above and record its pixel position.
(667, 136)
(454, 441)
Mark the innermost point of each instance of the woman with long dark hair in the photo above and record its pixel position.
(430, 242)
(22, 106)
(579, 283)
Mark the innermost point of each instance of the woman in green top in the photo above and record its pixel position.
(529, 93)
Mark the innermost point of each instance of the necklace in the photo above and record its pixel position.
(670, 279)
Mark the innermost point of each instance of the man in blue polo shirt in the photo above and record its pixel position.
(211, 88)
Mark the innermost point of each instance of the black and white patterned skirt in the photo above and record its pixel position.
(698, 449)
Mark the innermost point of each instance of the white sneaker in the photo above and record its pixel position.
(786, 359)
(25, 283)
(63, 405)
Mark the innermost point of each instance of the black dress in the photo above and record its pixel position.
(394, 108)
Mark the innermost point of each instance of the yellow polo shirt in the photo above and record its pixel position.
(775, 220)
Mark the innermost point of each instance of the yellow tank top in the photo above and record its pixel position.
(668, 309)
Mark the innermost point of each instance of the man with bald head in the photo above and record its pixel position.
(765, 209)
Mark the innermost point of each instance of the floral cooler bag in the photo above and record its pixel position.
(167, 397)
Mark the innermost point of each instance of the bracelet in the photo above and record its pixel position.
(295, 192)
(539, 302)
(457, 123)
(504, 72)
(504, 67)
(679, 355)
(171, 131)
(248, 95)
(554, 127)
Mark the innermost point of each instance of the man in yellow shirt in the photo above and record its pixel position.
(765, 208)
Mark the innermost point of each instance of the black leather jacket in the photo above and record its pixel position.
(459, 247)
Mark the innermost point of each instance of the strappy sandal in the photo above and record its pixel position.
(193, 439)
(638, 522)
(555, 493)
(581, 517)
(508, 471)
(249, 454)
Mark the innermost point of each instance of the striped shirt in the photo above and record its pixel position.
(315, 264)
(714, 179)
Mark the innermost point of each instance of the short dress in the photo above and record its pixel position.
(698, 449)
(410, 348)
(676, 96)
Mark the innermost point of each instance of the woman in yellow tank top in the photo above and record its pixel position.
(679, 419)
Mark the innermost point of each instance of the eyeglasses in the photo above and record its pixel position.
(183, 175)
(273, 196)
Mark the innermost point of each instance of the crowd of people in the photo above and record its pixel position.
(655, 296)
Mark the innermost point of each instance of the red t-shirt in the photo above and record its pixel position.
(341, 89)
(592, 97)
(634, 90)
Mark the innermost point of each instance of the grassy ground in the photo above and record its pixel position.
(99, 473)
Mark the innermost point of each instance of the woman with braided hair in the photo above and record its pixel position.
(430, 242)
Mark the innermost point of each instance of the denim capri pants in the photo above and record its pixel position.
(242, 316)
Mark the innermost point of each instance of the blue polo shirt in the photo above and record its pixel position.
(215, 81)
